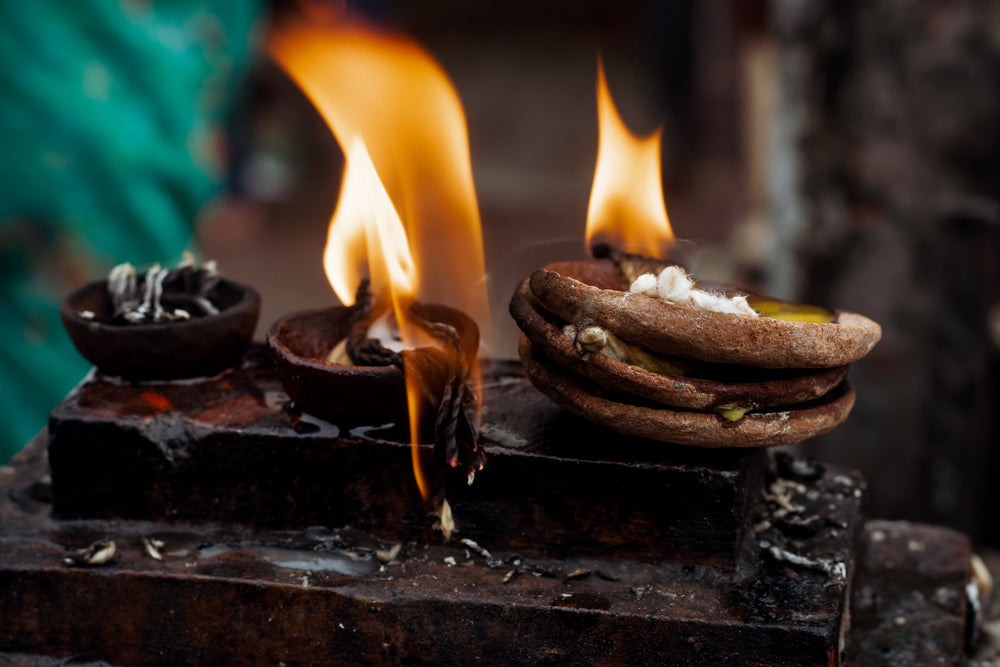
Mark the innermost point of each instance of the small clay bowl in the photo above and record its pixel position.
(720, 386)
(771, 428)
(199, 347)
(347, 395)
(593, 291)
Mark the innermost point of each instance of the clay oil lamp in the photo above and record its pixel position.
(634, 343)
(380, 359)
(165, 324)
(331, 367)
(406, 224)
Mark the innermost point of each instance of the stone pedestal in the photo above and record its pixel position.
(245, 532)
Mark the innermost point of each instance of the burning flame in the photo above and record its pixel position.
(407, 214)
(626, 201)
(366, 225)
(386, 89)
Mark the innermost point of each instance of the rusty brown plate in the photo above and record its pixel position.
(202, 346)
(729, 386)
(594, 291)
(347, 395)
(770, 428)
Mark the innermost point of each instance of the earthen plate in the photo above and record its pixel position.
(593, 291)
(729, 386)
(703, 429)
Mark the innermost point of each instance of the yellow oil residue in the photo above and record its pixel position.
(733, 413)
(791, 312)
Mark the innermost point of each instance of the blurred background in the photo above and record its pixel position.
(838, 152)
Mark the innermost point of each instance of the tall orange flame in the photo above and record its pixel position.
(384, 88)
(626, 206)
(407, 214)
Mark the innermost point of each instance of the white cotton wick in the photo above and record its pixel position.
(644, 284)
(675, 285)
(742, 307)
(719, 303)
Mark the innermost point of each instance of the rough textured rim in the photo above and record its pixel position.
(683, 392)
(201, 346)
(702, 429)
(335, 319)
(663, 327)
(341, 394)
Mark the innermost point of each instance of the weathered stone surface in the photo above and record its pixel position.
(910, 604)
(232, 449)
(234, 595)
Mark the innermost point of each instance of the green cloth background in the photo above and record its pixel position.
(111, 140)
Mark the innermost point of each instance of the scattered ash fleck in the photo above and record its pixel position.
(100, 552)
(803, 470)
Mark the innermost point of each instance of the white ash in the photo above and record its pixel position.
(490, 560)
(975, 603)
(153, 547)
(674, 285)
(780, 494)
(783, 486)
(832, 568)
(123, 288)
(981, 575)
(446, 522)
(137, 304)
(472, 544)
(98, 553)
(389, 555)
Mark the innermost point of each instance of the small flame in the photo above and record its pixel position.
(407, 214)
(366, 225)
(626, 206)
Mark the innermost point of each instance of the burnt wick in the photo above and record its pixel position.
(163, 295)
(441, 374)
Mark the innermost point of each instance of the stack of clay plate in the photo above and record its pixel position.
(706, 378)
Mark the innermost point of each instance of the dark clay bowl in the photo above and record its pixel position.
(197, 347)
(346, 395)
